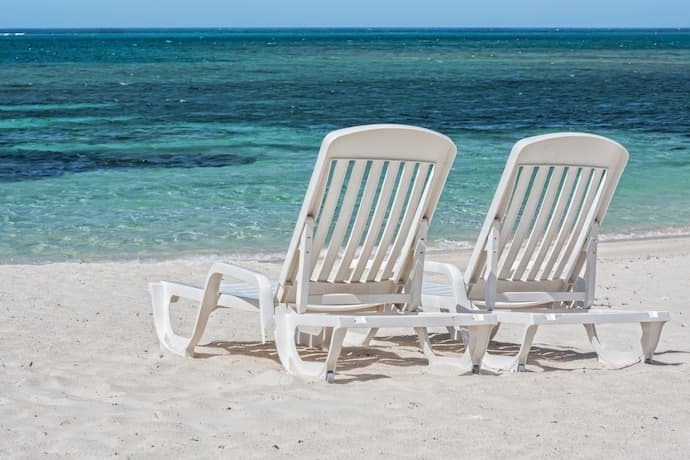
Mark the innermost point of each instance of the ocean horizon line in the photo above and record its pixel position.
(112, 29)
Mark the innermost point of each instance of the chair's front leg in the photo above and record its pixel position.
(525, 347)
(337, 338)
(616, 359)
(651, 332)
(477, 343)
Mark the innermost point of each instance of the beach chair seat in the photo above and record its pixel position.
(355, 260)
(534, 262)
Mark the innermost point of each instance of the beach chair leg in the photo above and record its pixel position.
(494, 331)
(476, 345)
(615, 359)
(463, 362)
(285, 336)
(525, 347)
(337, 339)
(651, 332)
(514, 363)
(425, 344)
(161, 319)
(169, 340)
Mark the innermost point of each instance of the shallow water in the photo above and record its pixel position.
(151, 144)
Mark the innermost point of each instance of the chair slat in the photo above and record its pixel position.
(577, 237)
(567, 224)
(531, 200)
(377, 220)
(567, 178)
(404, 236)
(392, 221)
(327, 210)
(538, 230)
(372, 182)
(513, 208)
(342, 221)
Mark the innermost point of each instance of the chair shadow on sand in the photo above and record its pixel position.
(545, 359)
(350, 358)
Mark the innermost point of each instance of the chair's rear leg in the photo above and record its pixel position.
(651, 332)
(463, 362)
(285, 336)
(425, 343)
(169, 340)
(494, 331)
(161, 314)
(477, 343)
(611, 358)
(517, 362)
(525, 347)
(337, 338)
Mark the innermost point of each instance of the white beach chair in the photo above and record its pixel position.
(356, 257)
(535, 259)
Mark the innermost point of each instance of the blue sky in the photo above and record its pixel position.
(342, 13)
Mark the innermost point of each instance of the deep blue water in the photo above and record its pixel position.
(122, 144)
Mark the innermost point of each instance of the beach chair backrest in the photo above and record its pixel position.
(372, 193)
(552, 196)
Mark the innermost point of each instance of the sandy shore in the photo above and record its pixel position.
(82, 377)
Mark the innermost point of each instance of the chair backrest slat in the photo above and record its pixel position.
(560, 204)
(539, 229)
(377, 220)
(508, 219)
(403, 235)
(577, 239)
(526, 219)
(572, 209)
(324, 215)
(363, 214)
(342, 221)
(392, 221)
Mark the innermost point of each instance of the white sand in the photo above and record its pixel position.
(82, 377)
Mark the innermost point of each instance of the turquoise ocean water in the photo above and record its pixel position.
(150, 144)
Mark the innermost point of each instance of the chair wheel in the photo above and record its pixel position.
(330, 376)
(475, 369)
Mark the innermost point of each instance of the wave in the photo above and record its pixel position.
(445, 245)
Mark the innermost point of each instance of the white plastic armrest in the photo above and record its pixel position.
(453, 277)
(263, 287)
(240, 273)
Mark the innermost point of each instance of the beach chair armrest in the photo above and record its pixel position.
(454, 279)
(450, 271)
(264, 290)
(244, 274)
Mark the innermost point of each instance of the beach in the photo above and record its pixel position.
(83, 377)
